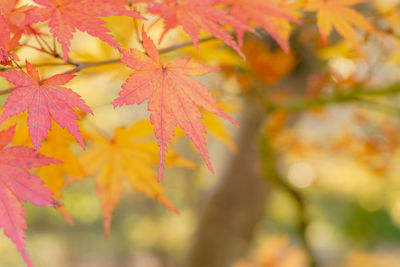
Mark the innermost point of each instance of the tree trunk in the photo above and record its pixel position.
(236, 205)
(238, 202)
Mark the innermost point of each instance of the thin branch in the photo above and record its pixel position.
(354, 95)
(46, 64)
(46, 44)
(296, 106)
(39, 42)
(188, 43)
(85, 65)
(37, 49)
(16, 63)
(54, 45)
(8, 90)
(381, 107)
(53, 54)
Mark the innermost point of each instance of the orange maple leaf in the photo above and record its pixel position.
(338, 14)
(173, 96)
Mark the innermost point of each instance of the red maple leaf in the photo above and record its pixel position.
(173, 96)
(67, 16)
(8, 42)
(196, 15)
(262, 12)
(44, 100)
(16, 184)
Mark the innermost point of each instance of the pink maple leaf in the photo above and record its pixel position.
(194, 15)
(44, 100)
(8, 42)
(67, 16)
(174, 97)
(262, 12)
(16, 184)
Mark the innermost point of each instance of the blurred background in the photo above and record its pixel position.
(311, 177)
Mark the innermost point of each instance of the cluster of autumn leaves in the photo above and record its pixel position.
(174, 98)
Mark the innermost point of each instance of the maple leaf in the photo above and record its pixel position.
(106, 8)
(14, 15)
(173, 96)
(338, 14)
(57, 145)
(8, 42)
(44, 100)
(66, 16)
(261, 60)
(129, 156)
(216, 127)
(17, 183)
(263, 12)
(196, 15)
(219, 130)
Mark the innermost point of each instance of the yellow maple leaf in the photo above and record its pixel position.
(284, 26)
(215, 127)
(218, 129)
(57, 145)
(130, 155)
(21, 136)
(338, 14)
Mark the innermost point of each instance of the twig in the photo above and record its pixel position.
(15, 62)
(54, 45)
(39, 42)
(354, 95)
(85, 65)
(46, 44)
(188, 43)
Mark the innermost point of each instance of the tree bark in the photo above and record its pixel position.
(236, 205)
